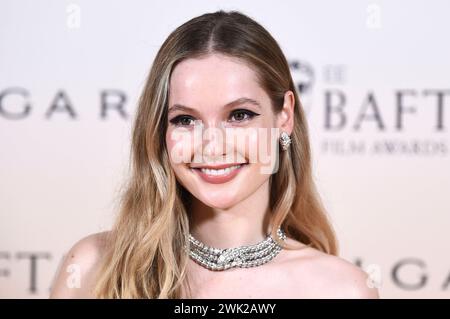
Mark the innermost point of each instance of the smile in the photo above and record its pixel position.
(218, 176)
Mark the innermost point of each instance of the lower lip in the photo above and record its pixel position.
(218, 179)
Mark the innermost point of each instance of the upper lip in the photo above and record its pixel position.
(220, 166)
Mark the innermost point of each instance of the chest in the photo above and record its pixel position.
(258, 282)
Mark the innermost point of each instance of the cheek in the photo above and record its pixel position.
(170, 143)
(179, 146)
(263, 144)
(253, 139)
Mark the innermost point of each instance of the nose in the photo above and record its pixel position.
(214, 144)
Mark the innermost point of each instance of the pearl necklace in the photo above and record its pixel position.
(243, 256)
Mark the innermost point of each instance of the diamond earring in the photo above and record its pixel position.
(285, 141)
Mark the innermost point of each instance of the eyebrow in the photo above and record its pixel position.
(236, 102)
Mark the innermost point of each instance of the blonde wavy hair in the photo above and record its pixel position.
(145, 256)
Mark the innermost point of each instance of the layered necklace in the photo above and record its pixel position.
(242, 256)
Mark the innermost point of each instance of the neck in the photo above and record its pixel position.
(246, 223)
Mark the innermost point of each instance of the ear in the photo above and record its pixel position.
(285, 120)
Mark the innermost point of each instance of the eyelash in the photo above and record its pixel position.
(176, 120)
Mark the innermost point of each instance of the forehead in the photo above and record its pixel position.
(210, 80)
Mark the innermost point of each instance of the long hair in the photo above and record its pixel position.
(145, 255)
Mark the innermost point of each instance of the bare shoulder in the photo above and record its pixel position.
(76, 275)
(320, 275)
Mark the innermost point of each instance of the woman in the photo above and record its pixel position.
(217, 228)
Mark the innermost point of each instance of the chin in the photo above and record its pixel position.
(219, 200)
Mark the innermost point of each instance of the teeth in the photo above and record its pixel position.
(223, 171)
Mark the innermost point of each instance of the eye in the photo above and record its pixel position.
(240, 115)
(182, 120)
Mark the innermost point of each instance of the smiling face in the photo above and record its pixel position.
(216, 94)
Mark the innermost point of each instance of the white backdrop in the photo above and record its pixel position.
(374, 78)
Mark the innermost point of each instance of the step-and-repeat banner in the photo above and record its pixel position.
(374, 78)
